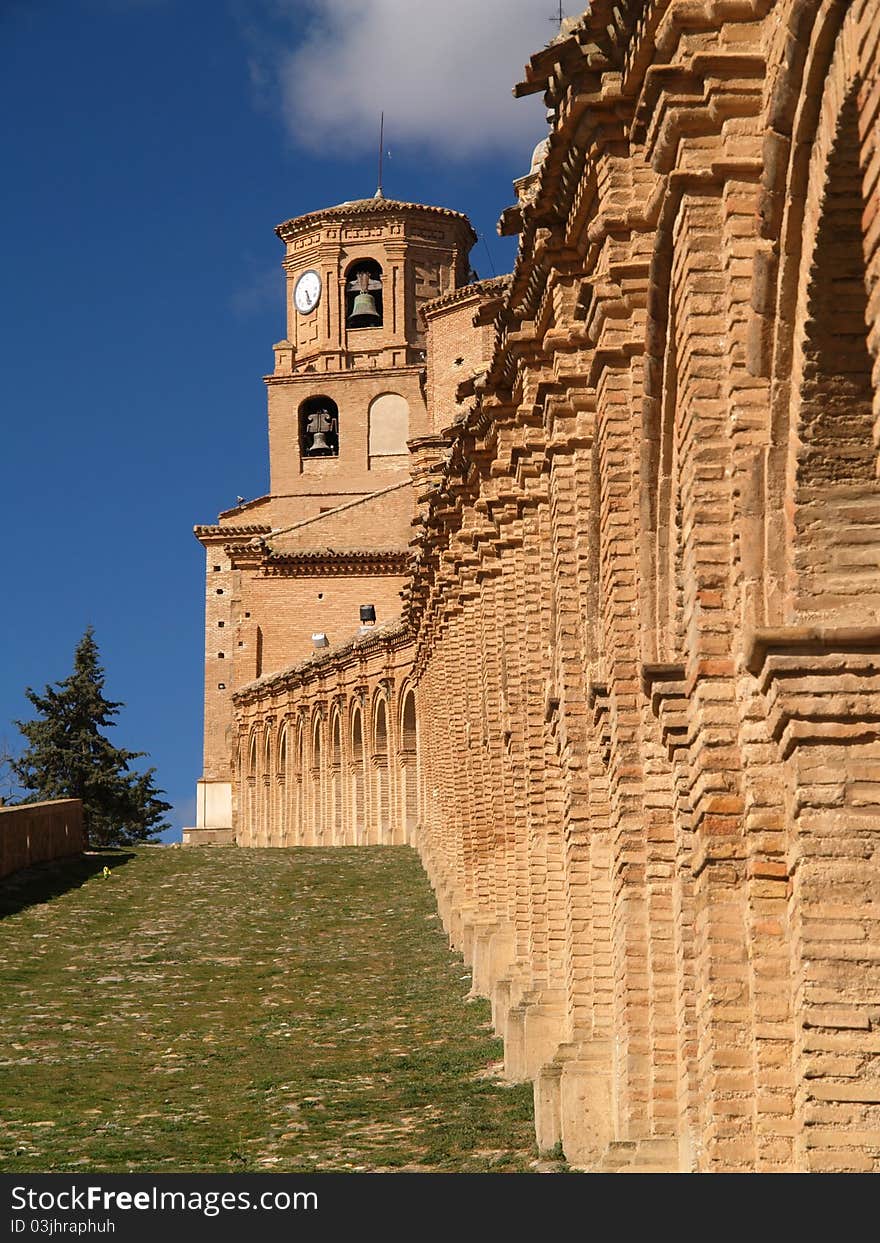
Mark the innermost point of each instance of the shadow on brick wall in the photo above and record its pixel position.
(45, 881)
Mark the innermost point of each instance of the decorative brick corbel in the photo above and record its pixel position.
(821, 683)
(598, 704)
(666, 688)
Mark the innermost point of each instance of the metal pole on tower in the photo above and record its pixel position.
(379, 192)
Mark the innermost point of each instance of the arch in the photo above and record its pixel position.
(836, 549)
(668, 547)
(250, 800)
(358, 780)
(337, 830)
(241, 787)
(660, 495)
(316, 817)
(408, 724)
(336, 737)
(363, 294)
(809, 80)
(409, 764)
(265, 796)
(823, 559)
(381, 769)
(318, 421)
(659, 545)
(299, 754)
(299, 784)
(388, 427)
(380, 725)
(282, 808)
(821, 551)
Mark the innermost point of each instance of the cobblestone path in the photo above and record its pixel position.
(223, 1010)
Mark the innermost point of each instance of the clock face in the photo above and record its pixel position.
(307, 291)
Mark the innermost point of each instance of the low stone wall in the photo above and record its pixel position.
(208, 837)
(37, 832)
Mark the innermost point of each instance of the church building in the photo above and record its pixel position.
(324, 557)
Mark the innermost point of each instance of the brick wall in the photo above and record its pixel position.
(640, 633)
(460, 337)
(380, 520)
(38, 832)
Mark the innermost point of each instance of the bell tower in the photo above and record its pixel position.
(346, 394)
(329, 543)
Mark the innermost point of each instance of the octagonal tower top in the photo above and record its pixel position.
(358, 275)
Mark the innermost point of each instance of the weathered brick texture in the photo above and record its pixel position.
(630, 712)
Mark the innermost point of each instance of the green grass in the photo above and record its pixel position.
(236, 1010)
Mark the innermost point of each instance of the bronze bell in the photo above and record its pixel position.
(364, 312)
(364, 308)
(320, 422)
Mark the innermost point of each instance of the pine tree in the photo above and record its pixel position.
(70, 757)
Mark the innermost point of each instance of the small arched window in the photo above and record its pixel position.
(363, 295)
(319, 427)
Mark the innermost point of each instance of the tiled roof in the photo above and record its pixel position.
(363, 207)
(317, 554)
(217, 529)
(307, 560)
(494, 286)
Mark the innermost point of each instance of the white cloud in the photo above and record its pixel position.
(441, 70)
(260, 289)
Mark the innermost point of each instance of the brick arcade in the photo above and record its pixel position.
(614, 525)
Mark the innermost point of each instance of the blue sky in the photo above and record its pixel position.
(150, 148)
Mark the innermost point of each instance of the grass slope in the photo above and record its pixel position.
(233, 1010)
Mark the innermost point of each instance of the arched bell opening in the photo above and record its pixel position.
(319, 427)
(363, 295)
